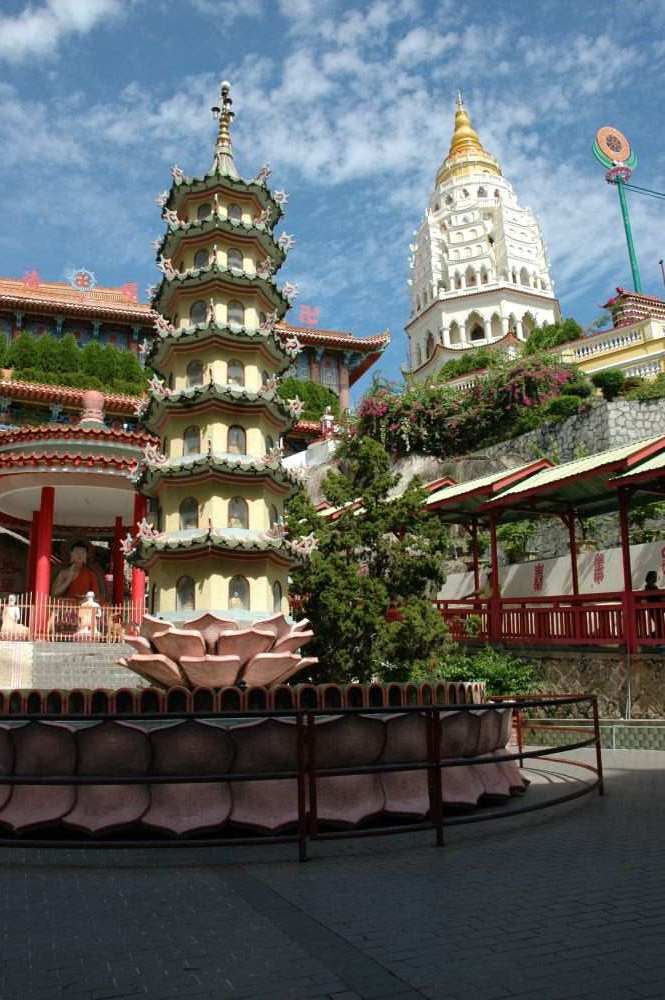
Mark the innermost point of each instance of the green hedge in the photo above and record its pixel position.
(51, 360)
(315, 397)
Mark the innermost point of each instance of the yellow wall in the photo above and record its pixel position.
(213, 498)
(214, 428)
(211, 360)
(212, 576)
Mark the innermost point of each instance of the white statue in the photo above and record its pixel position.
(90, 613)
(11, 627)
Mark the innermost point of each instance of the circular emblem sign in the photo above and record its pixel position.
(613, 144)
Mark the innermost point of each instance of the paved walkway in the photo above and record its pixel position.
(563, 904)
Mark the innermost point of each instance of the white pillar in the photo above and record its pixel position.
(505, 325)
(487, 328)
(518, 329)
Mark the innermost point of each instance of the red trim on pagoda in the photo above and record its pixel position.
(67, 432)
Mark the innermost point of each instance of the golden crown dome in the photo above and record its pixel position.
(466, 155)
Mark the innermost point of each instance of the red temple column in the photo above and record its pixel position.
(32, 552)
(495, 600)
(138, 576)
(43, 558)
(118, 564)
(629, 623)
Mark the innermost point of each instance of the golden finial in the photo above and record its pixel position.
(466, 154)
(224, 113)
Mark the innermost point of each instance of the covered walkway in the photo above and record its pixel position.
(616, 480)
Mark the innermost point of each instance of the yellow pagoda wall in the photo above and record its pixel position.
(212, 576)
(210, 358)
(214, 428)
(213, 500)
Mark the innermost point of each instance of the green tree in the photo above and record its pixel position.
(609, 382)
(551, 335)
(47, 355)
(70, 354)
(22, 352)
(4, 350)
(91, 358)
(381, 553)
(315, 397)
(129, 368)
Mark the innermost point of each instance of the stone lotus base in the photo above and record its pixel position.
(247, 746)
(210, 651)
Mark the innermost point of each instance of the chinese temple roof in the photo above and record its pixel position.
(60, 297)
(371, 347)
(114, 403)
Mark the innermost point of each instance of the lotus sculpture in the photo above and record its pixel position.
(209, 651)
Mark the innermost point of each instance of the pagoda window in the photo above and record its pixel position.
(234, 213)
(194, 374)
(477, 332)
(239, 593)
(429, 344)
(302, 365)
(449, 200)
(237, 441)
(204, 211)
(189, 513)
(238, 513)
(524, 277)
(455, 337)
(497, 329)
(198, 311)
(270, 443)
(185, 590)
(235, 312)
(201, 258)
(277, 595)
(482, 193)
(235, 373)
(234, 260)
(191, 441)
(273, 515)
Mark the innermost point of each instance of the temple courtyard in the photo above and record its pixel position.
(555, 905)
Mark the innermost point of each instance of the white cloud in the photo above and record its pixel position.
(421, 45)
(39, 31)
(226, 11)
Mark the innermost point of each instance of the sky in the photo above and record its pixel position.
(352, 105)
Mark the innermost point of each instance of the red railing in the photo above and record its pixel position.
(579, 620)
(59, 620)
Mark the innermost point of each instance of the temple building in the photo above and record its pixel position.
(218, 487)
(479, 270)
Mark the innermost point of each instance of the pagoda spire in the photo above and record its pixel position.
(223, 162)
(467, 153)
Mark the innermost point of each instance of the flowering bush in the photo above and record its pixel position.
(436, 420)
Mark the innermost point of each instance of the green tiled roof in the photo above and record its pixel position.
(210, 391)
(199, 276)
(182, 468)
(213, 181)
(238, 335)
(213, 224)
(236, 540)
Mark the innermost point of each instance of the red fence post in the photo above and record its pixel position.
(629, 624)
(43, 559)
(495, 600)
(138, 576)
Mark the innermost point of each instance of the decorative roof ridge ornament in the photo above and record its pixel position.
(223, 162)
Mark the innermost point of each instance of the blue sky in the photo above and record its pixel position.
(352, 105)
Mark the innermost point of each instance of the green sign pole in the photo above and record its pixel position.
(634, 266)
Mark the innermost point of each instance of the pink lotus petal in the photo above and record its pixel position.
(210, 671)
(138, 643)
(245, 643)
(277, 624)
(156, 668)
(211, 626)
(150, 625)
(179, 642)
(266, 668)
(292, 641)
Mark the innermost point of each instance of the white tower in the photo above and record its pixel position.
(479, 270)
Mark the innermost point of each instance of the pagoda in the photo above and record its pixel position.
(216, 486)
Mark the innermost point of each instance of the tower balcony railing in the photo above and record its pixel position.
(614, 340)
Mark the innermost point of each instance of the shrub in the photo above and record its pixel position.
(471, 361)
(654, 389)
(315, 397)
(576, 388)
(50, 360)
(562, 407)
(551, 335)
(610, 382)
(501, 672)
